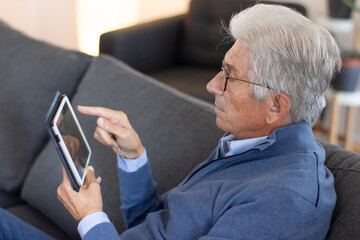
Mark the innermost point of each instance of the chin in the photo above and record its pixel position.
(220, 124)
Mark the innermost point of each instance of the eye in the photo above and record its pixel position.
(226, 73)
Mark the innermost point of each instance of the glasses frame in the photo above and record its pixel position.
(226, 77)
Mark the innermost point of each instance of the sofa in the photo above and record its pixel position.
(184, 51)
(172, 125)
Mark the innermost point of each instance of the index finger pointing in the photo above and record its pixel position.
(97, 111)
(109, 114)
(93, 111)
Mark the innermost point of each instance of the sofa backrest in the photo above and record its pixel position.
(345, 166)
(30, 72)
(205, 42)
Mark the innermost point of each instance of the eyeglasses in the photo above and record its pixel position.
(226, 78)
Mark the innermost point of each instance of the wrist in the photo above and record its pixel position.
(89, 212)
(132, 165)
(136, 154)
(131, 155)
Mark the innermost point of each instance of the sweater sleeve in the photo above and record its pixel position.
(138, 194)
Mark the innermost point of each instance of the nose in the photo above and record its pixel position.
(214, 86)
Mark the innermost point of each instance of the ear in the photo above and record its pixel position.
(279, 108)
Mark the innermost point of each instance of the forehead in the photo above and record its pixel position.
(237, 56)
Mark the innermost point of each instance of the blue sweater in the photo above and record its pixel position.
(277, 190)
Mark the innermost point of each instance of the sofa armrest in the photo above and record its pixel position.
(345, 166)
(147, 47)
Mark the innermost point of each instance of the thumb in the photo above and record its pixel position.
(90, 175)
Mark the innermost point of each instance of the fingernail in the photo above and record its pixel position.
(91, 168)
(98, 179)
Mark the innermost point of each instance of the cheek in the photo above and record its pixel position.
(245, 112)
(231, 116)
(238, 116)
(237, 108)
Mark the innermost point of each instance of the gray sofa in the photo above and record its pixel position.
(173, 127)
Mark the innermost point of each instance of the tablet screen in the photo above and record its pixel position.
(73, 138)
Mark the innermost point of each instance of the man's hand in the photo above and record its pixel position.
(114, 130)
(87, 200)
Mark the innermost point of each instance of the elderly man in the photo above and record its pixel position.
(266, 179)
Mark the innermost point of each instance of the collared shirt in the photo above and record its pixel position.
(228, 146)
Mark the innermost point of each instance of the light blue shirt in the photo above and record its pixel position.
(228, 146)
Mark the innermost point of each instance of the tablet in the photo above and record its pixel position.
(69, 139)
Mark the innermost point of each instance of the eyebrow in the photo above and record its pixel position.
(228, 65)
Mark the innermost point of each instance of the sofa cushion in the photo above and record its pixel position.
(345, 166)
(30, 73)
(178, 132)
(9, 199)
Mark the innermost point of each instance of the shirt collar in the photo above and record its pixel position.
(229, 145)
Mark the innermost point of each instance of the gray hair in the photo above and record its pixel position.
(290, 54)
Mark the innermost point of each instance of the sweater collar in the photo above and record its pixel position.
(284, 137)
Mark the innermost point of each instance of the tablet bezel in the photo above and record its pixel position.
(65, 101)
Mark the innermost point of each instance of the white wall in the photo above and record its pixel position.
(47, 20)
(149, 10)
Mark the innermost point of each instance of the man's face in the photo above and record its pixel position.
(236, 110)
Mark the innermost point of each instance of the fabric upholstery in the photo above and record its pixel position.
(43, 180)
(9, 199)
(345, 166)
(147, 47)
(30, 72)
(184, 129)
